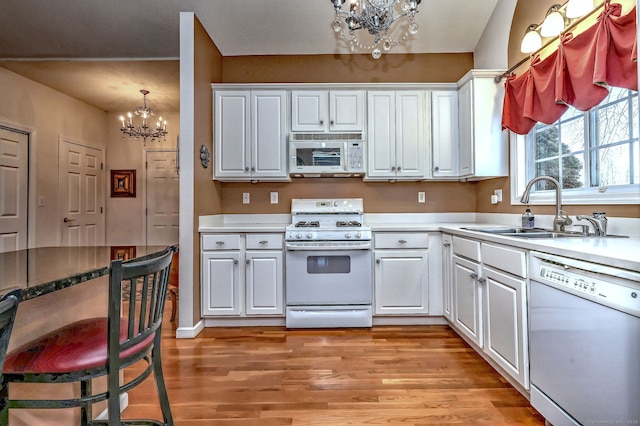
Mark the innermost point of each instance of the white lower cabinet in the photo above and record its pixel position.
(467, 299)
(401, 274)
(242, 275)
(489, 302)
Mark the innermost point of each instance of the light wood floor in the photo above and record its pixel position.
(420, 375)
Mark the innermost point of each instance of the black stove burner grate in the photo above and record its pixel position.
(348, 224)
(308, 224)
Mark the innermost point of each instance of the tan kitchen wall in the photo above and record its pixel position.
(379, 197)
(397, 68)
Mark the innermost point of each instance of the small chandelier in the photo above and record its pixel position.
(375, 16)
(143, 131)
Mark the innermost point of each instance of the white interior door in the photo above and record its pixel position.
(163, 199)
(81, 194)
(14, 161)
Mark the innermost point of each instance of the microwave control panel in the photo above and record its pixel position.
(355, 153)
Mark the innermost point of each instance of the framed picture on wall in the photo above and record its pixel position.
(123, 183)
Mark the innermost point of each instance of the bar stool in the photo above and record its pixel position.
(95, 347)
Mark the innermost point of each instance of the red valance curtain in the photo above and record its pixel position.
(578, 73)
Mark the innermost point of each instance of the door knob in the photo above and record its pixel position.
(66, 219)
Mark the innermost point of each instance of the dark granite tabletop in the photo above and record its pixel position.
(38, 271)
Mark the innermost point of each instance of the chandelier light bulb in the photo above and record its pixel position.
(144, 131)
(375, 17)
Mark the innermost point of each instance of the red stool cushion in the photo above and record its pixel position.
(77, 346)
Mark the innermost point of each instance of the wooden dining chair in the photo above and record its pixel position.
(95, 347)
(8, 309)
(174, 284)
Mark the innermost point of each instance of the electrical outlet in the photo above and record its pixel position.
(274, 198)
(498, 194)
(422, 198)
(246, 198)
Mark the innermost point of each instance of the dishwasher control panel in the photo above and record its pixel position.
(610, 290)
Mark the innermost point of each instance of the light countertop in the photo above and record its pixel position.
(618, 252)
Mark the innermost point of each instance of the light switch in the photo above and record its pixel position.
(246, 198)
(422, 198)
(498, 194)
(274, 198)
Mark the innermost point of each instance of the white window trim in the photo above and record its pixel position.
(628, 194)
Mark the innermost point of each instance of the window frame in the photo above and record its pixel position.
(519, 156)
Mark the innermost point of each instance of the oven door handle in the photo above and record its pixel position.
(333, 247)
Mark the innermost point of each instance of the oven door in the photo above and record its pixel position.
(329, 277)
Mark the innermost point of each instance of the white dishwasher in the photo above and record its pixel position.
(584, 342)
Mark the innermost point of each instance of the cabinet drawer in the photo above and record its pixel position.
(401, 240)
(505, 258)
(264, 241)
(221, 242)
(466, 248)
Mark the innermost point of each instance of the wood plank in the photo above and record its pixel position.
(415, 375)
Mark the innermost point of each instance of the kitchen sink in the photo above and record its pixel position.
(534, 233)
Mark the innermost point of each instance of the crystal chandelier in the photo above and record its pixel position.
(143, 131)
(375, 16)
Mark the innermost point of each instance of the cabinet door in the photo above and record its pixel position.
(268, 139)
(221, 283)
(309, 110)
(231, 132)
(466, 128)
(447, 279)
(506, 324)
(467, 307)
(381, 135)
(264, 282)
(444, 133)
(346, 111)
(410, 136)
(401, 282)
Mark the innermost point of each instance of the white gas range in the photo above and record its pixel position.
(329, 265)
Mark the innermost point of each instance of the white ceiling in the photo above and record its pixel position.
(104, 52)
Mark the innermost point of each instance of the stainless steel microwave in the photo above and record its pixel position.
(337, 158)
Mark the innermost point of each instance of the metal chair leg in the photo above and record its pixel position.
(160, 386)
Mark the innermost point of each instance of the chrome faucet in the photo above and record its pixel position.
(561, 220)
(598, 221)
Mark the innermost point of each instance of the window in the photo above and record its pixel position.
(595, 155)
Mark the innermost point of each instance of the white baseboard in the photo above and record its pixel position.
(190, 332)
(124, 403)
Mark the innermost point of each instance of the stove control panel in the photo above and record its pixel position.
(327, 235)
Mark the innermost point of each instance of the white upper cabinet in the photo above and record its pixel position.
(444, 134)
(483, 146)
(250, 135)
(396, 135)
(327, 111)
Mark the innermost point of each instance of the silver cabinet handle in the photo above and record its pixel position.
(393, 168)
(402, 241)
(446, 244)
(482, 280)
(263, 242)
(399, 168)
(331, 122)
(473, 276)
(436, 168)
(247, 261)
(219, 243)
(67, 220)
(246, 169)
(253, 169)
(235, 261)
(378, 261)
(321, 122)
